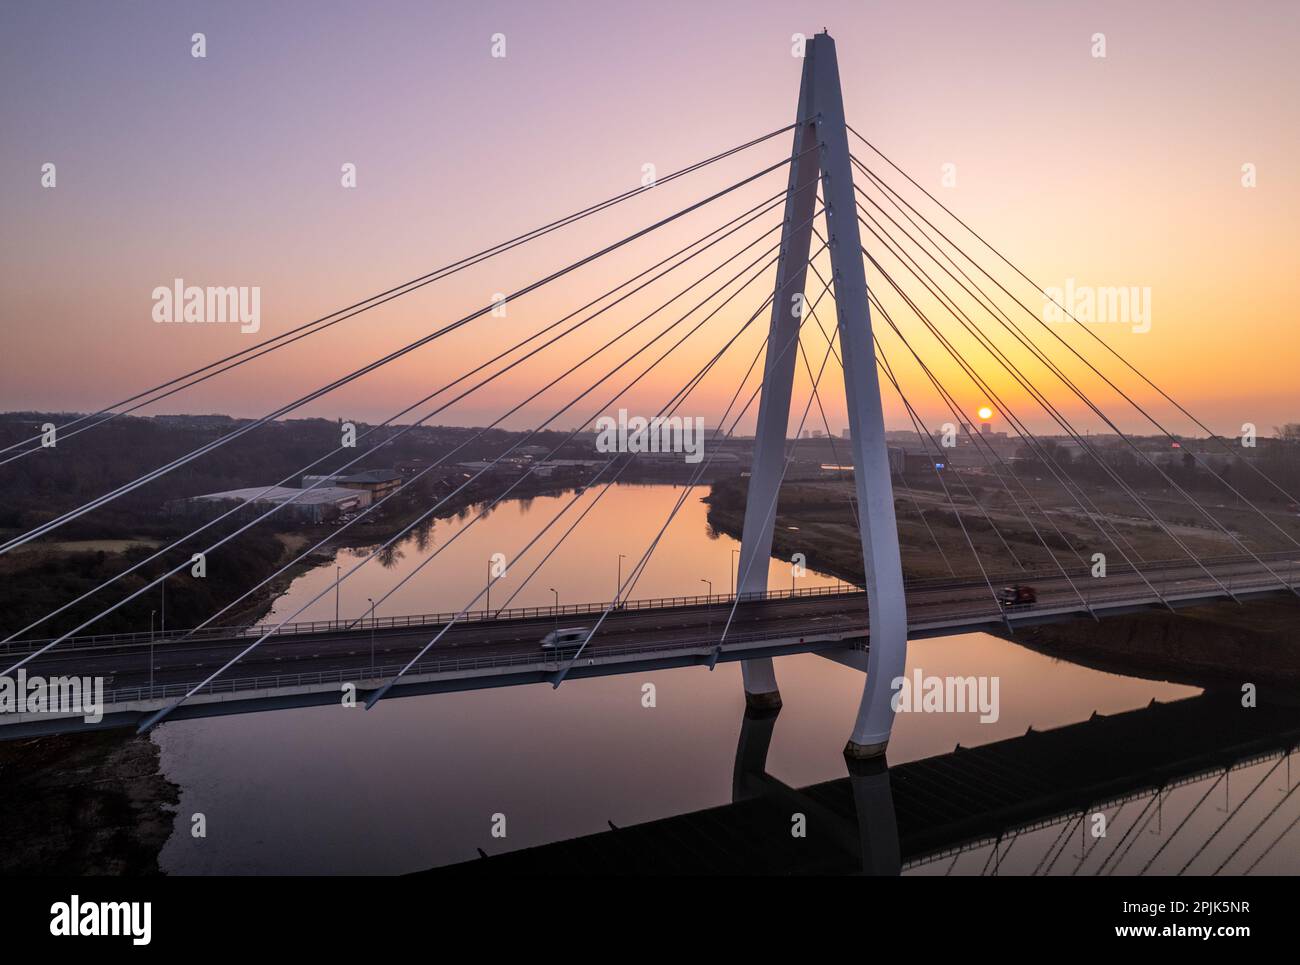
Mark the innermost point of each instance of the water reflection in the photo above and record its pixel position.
(414, 783)
(1130, 793)
(689, 560)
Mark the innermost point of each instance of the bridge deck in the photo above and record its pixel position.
(309, 668)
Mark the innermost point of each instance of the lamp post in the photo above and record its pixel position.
(618, 586)
(555, 611)
(338, 572)
(372, 635)
(708, 613)
(734, 569)
(151, 616)
(487, 604)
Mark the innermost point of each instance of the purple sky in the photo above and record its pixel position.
(1122, 171)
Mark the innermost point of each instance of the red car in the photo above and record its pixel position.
(1018, 597)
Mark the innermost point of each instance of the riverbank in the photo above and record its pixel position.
(827, 544)
(84, 804)
(1219, 645)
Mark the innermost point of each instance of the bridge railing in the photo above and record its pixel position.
(365, 623)
(969, 611)
(546, 659)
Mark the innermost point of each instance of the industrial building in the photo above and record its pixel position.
(308, 505)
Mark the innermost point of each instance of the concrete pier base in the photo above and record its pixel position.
(765, 701)
(854, 751)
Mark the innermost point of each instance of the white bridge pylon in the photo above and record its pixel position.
(820, 124)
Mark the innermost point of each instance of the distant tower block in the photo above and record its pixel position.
(820, 131)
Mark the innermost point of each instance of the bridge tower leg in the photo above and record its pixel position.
(821, 125)
(761, 690)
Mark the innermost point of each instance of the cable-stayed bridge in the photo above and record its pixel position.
(844, 232)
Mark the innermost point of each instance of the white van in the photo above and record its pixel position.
(569, 639)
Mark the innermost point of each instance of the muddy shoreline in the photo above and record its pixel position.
(84, 804)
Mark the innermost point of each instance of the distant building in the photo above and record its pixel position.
(195, 421)
(541, 470)
(922, 462)
(377, 482)
(897, 458)
(511, 467)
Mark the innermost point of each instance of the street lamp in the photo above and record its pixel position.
(735, 568)
(372, 635)
(556, 610)
(338, 571)
(618, 587)
(709, 613)
(487, 604)
(151, 615)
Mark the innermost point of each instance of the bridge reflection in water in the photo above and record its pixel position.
(973, 806)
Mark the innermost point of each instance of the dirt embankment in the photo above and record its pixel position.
(1223, 644)
(84, 804)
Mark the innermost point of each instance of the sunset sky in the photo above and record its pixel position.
(1117, 171)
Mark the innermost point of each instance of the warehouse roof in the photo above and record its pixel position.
(280, 494)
